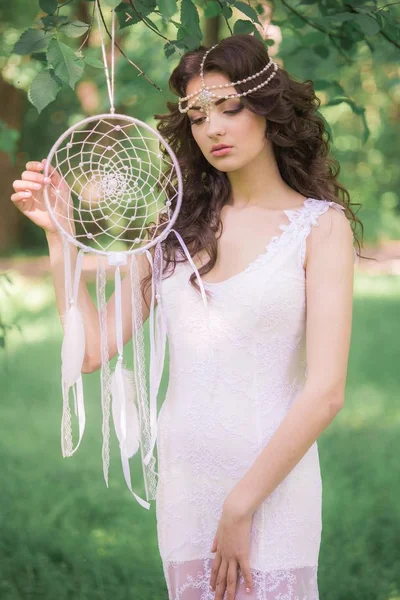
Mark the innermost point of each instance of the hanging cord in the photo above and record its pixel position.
(110, 83)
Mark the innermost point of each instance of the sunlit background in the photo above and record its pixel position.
(65, 535)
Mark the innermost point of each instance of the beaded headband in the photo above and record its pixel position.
(204, 97)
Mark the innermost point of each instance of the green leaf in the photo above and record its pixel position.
(67, 66)
(127, 16)
(130, 16)
(169, 49)
(48, 6)
(242, 26)
(190, 18)
(94, 62)
(322, 51)
(44, 88)
(74, 29)
(247, 10)
(40, 56)
(313, 37)
(49, 22)
(212, 9)
(167, 8)
(150, 22)
(322, 84)
(189, 32)
(338, 18)
(227, 12)
(368, 25)
(32, 40)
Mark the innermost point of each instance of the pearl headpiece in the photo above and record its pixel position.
(205, 96)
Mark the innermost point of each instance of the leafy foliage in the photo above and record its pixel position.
(353, 68)
(66, 64)
(329, 28)
(8, 140)
(74, 29)
(44, 89)
(32, 40)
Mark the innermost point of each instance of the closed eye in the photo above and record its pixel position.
(226, 112)
(233, 112)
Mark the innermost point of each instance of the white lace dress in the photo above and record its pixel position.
(230, 386)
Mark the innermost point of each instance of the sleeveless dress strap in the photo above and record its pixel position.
(307, 216)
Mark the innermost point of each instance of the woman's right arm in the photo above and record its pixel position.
(28, 198)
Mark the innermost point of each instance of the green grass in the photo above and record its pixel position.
(65, 535)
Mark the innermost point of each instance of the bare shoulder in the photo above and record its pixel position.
(334, 222)
(332, 234)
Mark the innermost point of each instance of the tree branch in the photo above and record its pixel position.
(330, 34)
(226, 20)
(141, 72)
(351, 9)
(148, 24)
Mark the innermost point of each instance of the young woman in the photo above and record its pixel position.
(250, 389)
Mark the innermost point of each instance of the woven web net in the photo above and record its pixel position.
(118, 185)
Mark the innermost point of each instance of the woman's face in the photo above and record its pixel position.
(230, 124)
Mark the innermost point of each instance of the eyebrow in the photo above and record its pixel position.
(220, 101)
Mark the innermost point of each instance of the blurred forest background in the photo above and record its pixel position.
(63, 533)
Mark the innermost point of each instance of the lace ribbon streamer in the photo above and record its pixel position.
(72, 355)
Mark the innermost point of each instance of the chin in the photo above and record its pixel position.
(227, 166)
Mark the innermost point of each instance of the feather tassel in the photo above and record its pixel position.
(124, 410)
(73, 346)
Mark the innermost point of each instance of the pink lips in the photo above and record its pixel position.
(220, 150)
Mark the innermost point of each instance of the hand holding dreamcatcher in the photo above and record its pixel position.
(116, 190)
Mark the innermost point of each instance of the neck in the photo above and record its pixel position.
(259, 183)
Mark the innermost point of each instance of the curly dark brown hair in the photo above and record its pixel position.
(297, 131)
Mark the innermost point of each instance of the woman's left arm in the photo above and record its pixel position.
(329, 301)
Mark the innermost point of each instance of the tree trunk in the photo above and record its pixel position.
(211, 33)
(11, 112)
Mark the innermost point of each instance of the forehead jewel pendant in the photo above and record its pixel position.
(205, 95)
(205, 100)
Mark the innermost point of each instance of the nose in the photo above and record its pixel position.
(214, 124)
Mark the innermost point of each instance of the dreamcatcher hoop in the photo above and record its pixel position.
(107, 117)
(99, 210)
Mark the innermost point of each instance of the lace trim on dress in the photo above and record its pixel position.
(190, 580)
(300, 219)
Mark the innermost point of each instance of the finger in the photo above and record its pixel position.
(214, 545)
(53, 173)
(20, 197)
(37, 177)
(22, 185)
(231, 579)
(214, 570)
(34, 165)
(246, 572)
(221, 581)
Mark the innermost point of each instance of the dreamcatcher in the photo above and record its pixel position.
(114, 182)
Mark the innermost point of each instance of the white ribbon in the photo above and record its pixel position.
(187, 253)
(72, 355)
(117, 385)
(158, 337)
(153, 391)
(157, 344)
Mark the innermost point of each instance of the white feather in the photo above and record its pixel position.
(130, 444)
(73, 346)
